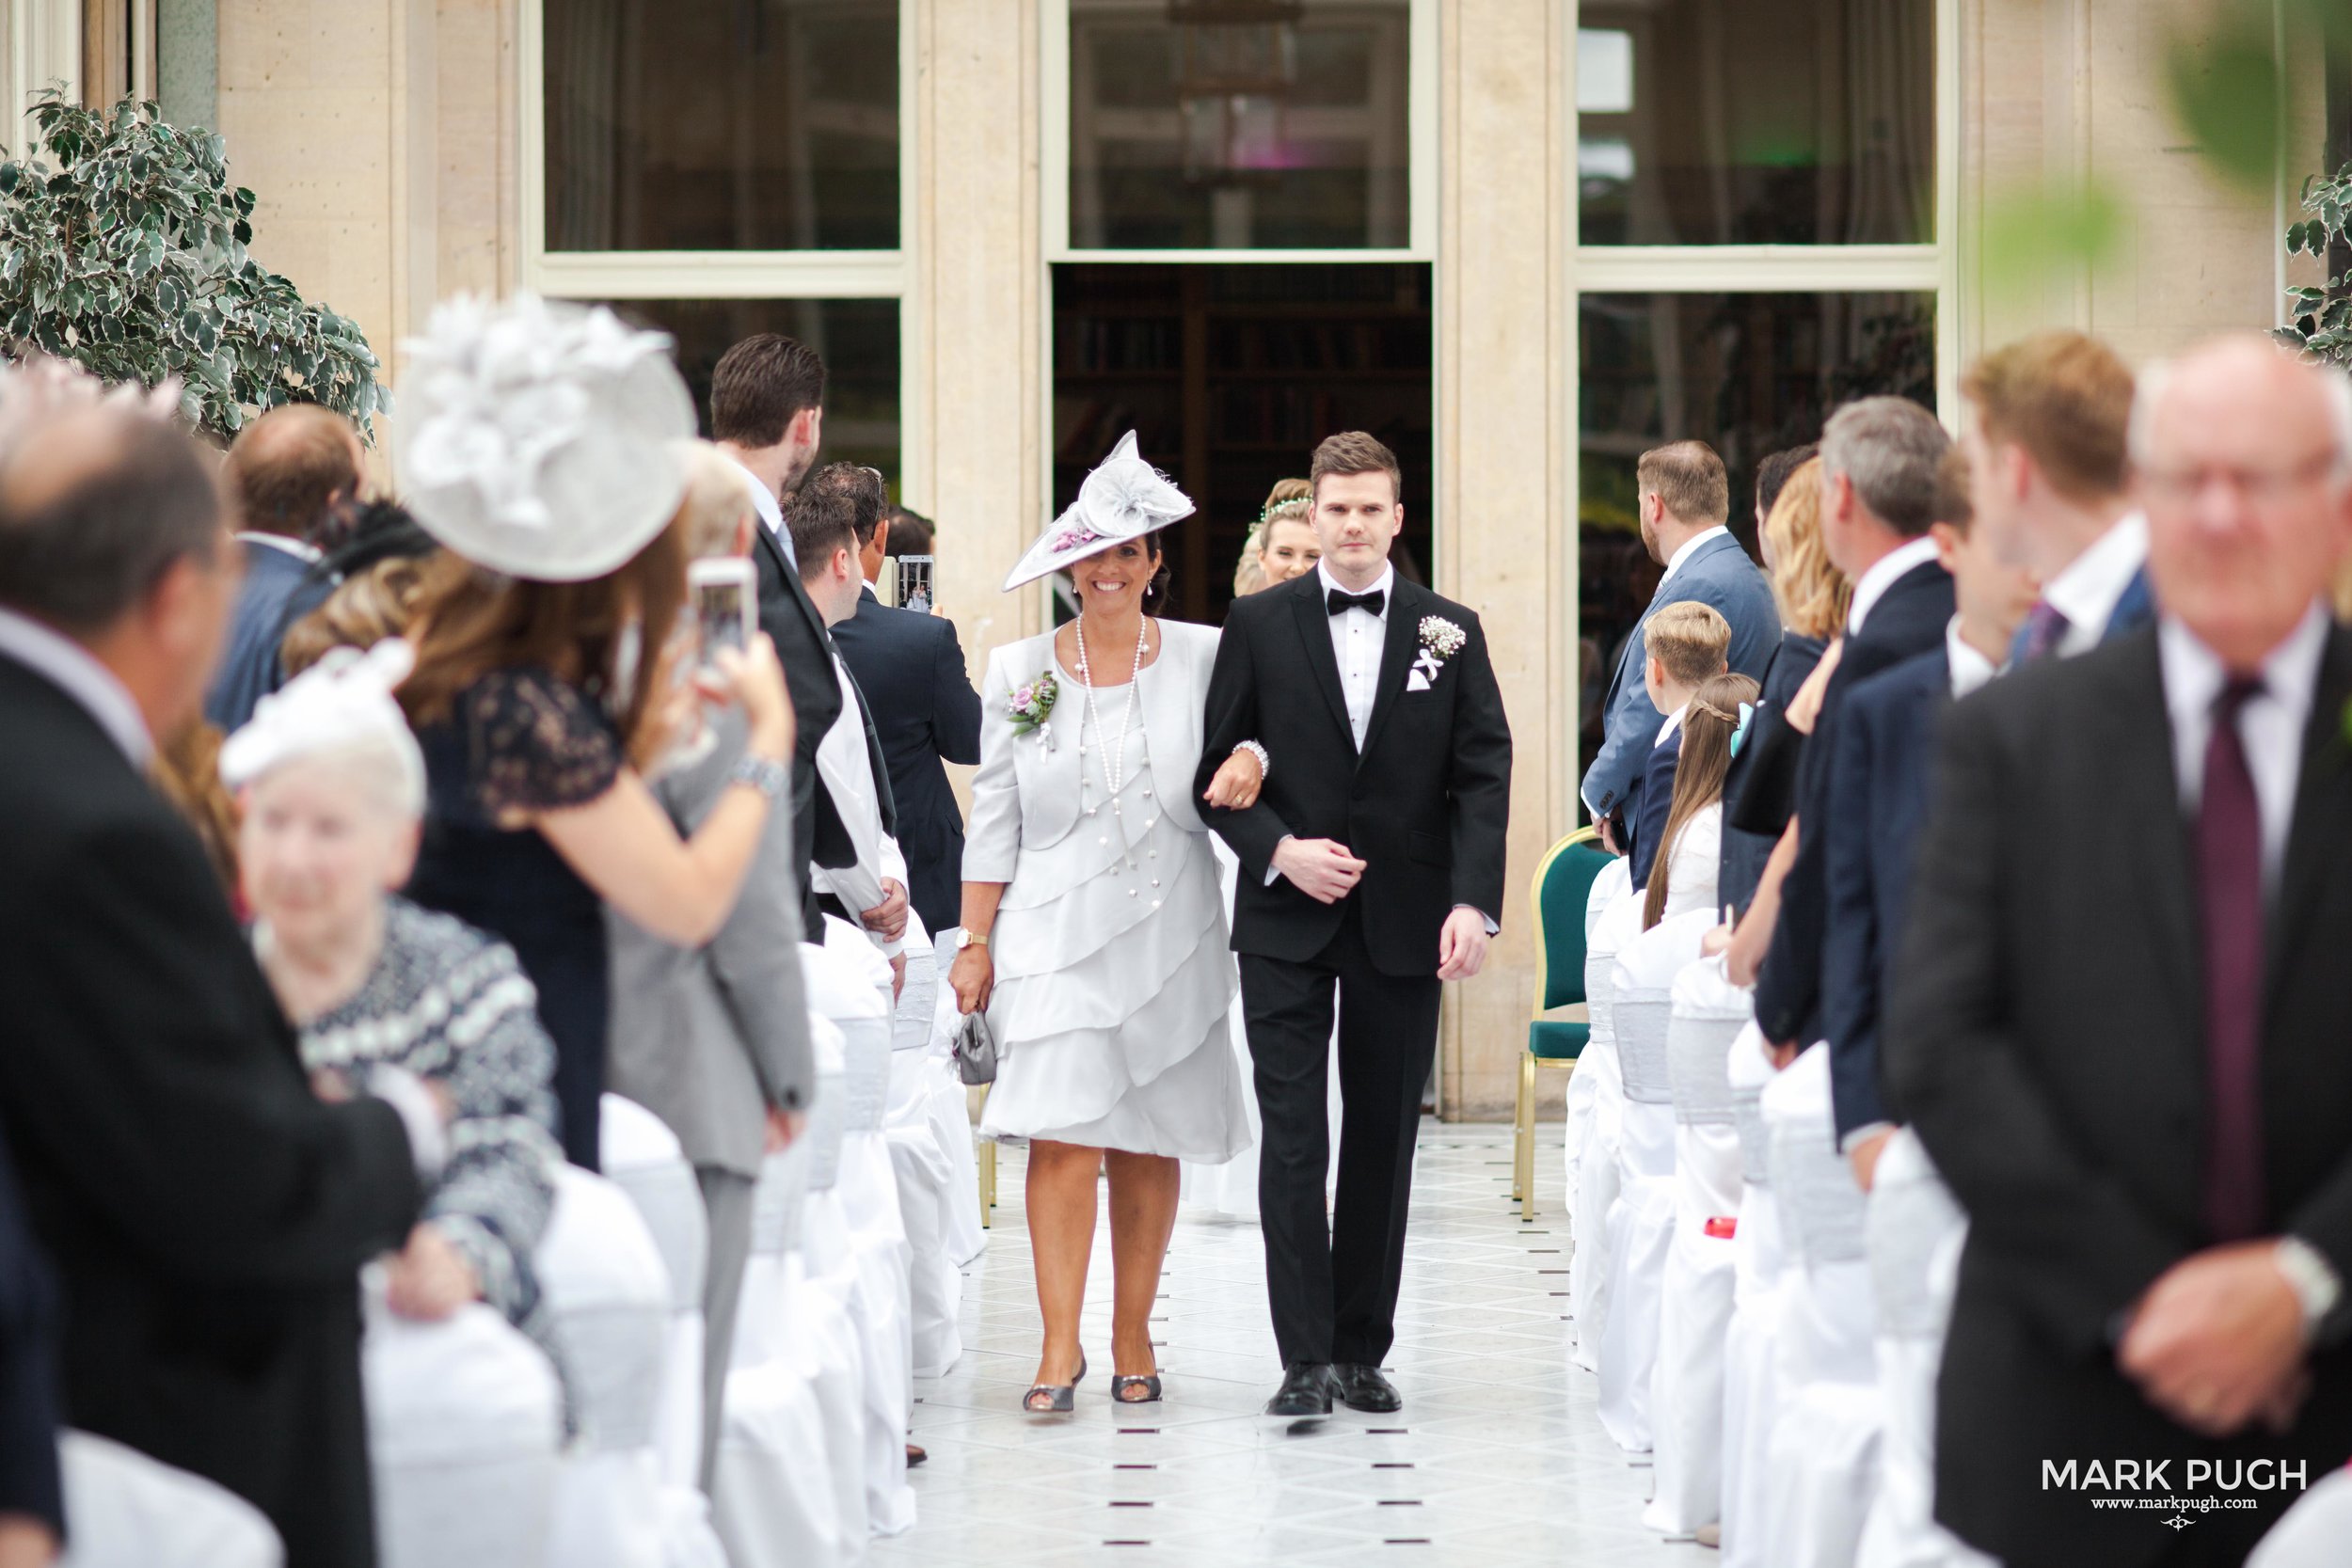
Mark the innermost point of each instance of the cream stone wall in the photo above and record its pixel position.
(383, 137)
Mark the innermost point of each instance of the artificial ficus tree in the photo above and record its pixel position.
(123, 247)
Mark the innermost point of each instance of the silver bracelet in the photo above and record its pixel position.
(1266, 764)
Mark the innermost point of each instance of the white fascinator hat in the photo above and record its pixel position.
(344, 702)
(1123, 499)
(536, 436)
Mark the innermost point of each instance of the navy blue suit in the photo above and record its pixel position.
(920, 694)
(1877, 808)
(28, 1368)
(1650, 802)
(1748, 844)
(1718, 574)
(279, 589)
(1909, 619)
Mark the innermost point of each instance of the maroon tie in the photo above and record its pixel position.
(2230, 899)
(2046, 626)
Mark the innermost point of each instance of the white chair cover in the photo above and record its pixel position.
(1607, 888)
(1824, 1450)
(1593, 1188)
(1687, 1389)
(128, 1511)
(1641, 1223)
(465, 1428)
(642, 1158)
(610, 1294)
(1762, 1265)
(842, 986)
(2311, 1533)
(1915, 1231)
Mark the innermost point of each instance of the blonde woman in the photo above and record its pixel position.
(1282, 542)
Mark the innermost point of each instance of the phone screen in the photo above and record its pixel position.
(724, 611)
(915, 583)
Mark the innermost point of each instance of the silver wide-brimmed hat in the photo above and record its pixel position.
(1124, 498)
(535, 435)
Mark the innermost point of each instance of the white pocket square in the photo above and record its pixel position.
(1416, 681)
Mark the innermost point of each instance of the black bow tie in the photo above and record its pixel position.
(1340, 604)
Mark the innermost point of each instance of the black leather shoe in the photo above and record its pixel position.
(1307, 1390)
(1364, 1388)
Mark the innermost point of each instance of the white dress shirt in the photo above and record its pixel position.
(1970, 669)
(1673, 722)
(770, 514)
(1889, 569)
(306, 554)
(1689, 547)
(847, 771)
(2271, 724)
(2087, 591)
(1358, 638)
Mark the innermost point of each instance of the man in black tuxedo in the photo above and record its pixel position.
(1373, 863)
(32, 1494)
(911, 669)
(208, 1215)
(2118, 1018)
(767, 413)
(1880, 458)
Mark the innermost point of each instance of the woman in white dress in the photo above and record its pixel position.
(1689, 848)
(1095, 928)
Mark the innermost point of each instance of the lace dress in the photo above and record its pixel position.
(1114, 978)
(525, 739)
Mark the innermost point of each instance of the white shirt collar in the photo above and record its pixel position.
(1384, 585)
(73, 669)
(1884, 575)
(1970, 667)
(1671, 724)
(1673, 562)
(770, 512)
(306, 554)
(2087, 590)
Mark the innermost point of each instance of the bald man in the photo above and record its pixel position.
(287, 474)
(2118, 1017)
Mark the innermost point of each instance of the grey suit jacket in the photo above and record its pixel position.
(708, 1038)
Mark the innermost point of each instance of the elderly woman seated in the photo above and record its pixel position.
(332, 787)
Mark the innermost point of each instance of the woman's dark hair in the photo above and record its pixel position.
(1155, 592)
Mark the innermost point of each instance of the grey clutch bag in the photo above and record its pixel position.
(975, 1050)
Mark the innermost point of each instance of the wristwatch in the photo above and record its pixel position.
(765, 774)
(970, 939)
(2312, 1278)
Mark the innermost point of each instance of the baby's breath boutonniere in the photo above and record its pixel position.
(1440, 640)
(1032, 701)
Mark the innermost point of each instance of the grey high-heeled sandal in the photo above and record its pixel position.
(1122, 1381)
(1063, 1396)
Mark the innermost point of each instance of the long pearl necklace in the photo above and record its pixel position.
(1114, 763)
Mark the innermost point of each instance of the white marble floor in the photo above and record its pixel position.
(1498, 1458)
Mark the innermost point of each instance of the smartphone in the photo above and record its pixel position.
(915, 583)
(725, 596)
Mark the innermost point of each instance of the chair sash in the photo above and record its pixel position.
(1706, 1015)
(1746, 1071)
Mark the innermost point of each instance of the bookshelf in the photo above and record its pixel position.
(1230, 373)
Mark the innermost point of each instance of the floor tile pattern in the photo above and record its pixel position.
(1497, 1460)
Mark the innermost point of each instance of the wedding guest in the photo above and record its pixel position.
(767, 413)
(333, 790)
(1812, 595)
(186, 769)
(2116, 1020)
(1094, 930)
(714, 1039)
(1685, 497)
(542, 685)
(2048, 468)
(1285, 540)
(1880, 459)
(377, 571)
(1772, 477)
(1877, 804)
(286, 473)
(910, 532)
(1683, 646)
(911, 667)
(1690, 841)
(206, 1213)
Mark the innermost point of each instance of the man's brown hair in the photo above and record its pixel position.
(1954, 508)
(1689, 476)
(760, 387)
(1355, 452)
(285, 468)
(1693, 640)
(836, 510)
(2066, 398)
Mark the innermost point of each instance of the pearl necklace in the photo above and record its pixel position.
(1114, 766)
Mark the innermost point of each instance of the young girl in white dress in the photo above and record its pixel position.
(1095, 932)
(1689, 848)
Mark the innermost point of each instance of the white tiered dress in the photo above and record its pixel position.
(1114, 976)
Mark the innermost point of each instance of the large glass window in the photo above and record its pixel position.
(720, 124)
(1756, 121)
(1239, 125)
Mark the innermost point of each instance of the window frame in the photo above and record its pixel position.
(768, 275)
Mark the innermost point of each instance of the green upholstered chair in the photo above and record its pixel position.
(1564, 884)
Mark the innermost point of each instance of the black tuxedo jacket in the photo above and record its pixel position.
(206, 1213)
(1909, 619)
(2045, 1034)
(29, 1482)
(1878, 807)
(1426, 805)
(911, 669)
(790, 619)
